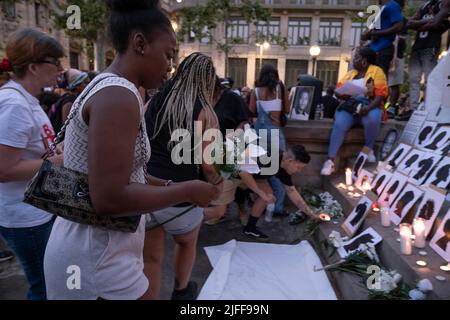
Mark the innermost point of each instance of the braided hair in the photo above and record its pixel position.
(195, 79)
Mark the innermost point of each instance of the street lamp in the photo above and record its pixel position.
(264, 46)
(314, 51)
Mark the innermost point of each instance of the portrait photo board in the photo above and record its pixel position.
(365, 176)
(408, 163)
(398, 154)
(381, 180)
(430, 206)
(425, 133)
(393, 188)
(359, 213)
(367, 236)
(440, 176)
(441, 239)
(404, 203)
(360, 162)
(302, 100)
(422, 168)
(440, 137)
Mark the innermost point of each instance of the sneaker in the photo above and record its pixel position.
(371, 158)
(328, 168)
(256, 234)
(6, 255)
(188, 293)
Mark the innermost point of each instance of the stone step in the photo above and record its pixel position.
(388, 250)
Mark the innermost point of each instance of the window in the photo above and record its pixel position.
(294, 68)
(9, 9)
(357, 30)
(237, 70)
(273, 62)
(37, 7)
(268, 29)
(330, 32)
(74, 60)
(238, 29)
(299, 31)
(328, 71)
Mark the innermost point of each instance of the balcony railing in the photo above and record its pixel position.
(294, 4)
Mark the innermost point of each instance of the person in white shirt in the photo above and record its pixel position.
(25, 135)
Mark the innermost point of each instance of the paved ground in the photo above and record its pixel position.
(13, 284)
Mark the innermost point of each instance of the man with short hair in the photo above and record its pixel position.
(330, 103)
(291, 162)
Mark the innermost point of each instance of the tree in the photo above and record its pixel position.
(203, 20)
(93, 24)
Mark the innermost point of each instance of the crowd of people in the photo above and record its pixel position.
(118, 128)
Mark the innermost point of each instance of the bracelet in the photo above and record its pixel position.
(168, 183)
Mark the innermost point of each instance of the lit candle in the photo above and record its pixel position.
(348, 177)
(445, 268)
(421, 263)
(325, 217)
(342, 186)
(350, 194)
(366, 186)
(419, 232)
(385, 217)
(357, 195)
(405, 239)
(351, 189)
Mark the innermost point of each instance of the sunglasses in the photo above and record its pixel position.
(55, 62)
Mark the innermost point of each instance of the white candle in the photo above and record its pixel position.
(351, 189)
(357, 195)
(385, 217)
(421, 263)
(419, 232)
(348, 177)
(405, 239)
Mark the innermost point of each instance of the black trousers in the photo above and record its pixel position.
(384, 58)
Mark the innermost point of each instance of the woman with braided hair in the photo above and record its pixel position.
(184, 103)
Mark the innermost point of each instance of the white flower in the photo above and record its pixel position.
(335, 239)
(387, 283)
(416, 294)
(397, 277)
(425, 285)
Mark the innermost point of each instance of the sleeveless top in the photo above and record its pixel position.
(270, 105)
(76, 140)
(110, 262)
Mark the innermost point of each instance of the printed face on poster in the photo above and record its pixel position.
(425, 133)
(368, 236)
(422, 168)
(404, 202)
(360, 162)
(440, 137)
(302, 102)
(381, 181)
(430, 206)
(364, 181)
(441, 240)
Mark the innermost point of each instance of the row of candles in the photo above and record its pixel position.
(406, 229)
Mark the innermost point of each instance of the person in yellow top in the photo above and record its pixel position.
(364, 109)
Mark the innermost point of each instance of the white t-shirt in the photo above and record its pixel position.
(23, 125)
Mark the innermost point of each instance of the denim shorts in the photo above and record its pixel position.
(181, 225)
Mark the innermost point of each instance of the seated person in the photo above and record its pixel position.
(364, 74)
(291, 162)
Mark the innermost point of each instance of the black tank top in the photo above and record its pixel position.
(161, 164)
(430, 38)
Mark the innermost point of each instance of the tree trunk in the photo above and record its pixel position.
(99, 53)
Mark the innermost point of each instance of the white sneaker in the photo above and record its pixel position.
(371, 158)
(328, 168)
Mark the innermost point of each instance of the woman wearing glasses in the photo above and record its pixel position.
(25, 134)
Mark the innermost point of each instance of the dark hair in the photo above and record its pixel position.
(28, 45)
(268, 77)
(300, 154)
(368, 54)
(330, 90)
(127, 16)
(231, 81)
(48, 99)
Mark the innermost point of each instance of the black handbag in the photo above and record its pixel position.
(65, 192)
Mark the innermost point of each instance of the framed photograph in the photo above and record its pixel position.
(408, 163)
(440, 177)
(381, 181)
(360, 162)
(364, 181)
(439, 138)
(398, 154)
(301, 103)
(445, 149)
(393, 188)
(367, 236)
(356, 218)
(423, 167)
(425, 133)
(441, 239)
(430, 205)
(404, 202)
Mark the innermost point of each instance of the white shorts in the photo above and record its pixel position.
(181, 225)
(398, 76)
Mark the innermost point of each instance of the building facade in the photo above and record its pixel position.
(304, 23)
